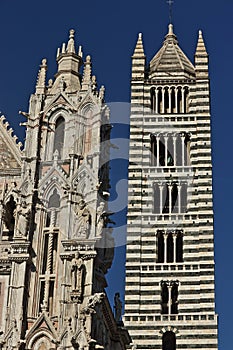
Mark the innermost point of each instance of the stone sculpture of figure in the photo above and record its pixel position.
(22, 220)
(83, 220)
(100, 222)
(77, 270)
(117, 307)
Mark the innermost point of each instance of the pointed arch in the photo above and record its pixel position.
(40, 340)
(59, 136)
(55, 135)
(53, 207)
(9, 218)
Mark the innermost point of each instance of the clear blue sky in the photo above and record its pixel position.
(31, 30)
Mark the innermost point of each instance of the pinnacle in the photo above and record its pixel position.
(201, 49)
(139, 50)
(70, 45)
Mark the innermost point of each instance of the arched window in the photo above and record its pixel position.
(59, 136)
(160, 101)
(53, 206)
(179, 247)
(170, 151)
(169, 341)
(9, 219)
(174, 298)
(178, 150)
(179, 100)
(170, 248)
(166, 100)
(175, 205)
(173, 100)
(165, 298)
(187, 150)
(186, 100)
(153, 150)
(183, 197)
(165, 199)
(156, 199)
(160, 247)
(153, 99)
(162, 151)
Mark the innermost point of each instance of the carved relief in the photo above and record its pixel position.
(83, 221)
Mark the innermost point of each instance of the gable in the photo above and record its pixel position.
(10, 152)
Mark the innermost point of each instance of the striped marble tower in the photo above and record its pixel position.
(170, 296)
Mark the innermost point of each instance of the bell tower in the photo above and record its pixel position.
(56, 244)
(170, 293)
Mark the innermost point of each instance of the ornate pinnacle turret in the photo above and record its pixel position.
(86, 82)
(69, 63)
(70, 45)
(40, 85)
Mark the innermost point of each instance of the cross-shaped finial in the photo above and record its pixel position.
(170, 2)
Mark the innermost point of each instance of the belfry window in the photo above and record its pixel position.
(169, 297)
(170, 198)
(167, 100)
(170, 150)
(169, 341)
(169, 246)
(59, 136)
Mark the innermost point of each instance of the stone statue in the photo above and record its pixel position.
(100, 222)
(77, 270)
(117, 307)
(83, 220)
(23, 215)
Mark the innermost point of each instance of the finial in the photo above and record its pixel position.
(72, 31)
(139, 35)
(170, 2)
(170, 29)
(170, 35)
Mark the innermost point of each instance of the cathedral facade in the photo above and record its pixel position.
(56, 244)
(170, 292)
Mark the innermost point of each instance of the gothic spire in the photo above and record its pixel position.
(40, 85)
